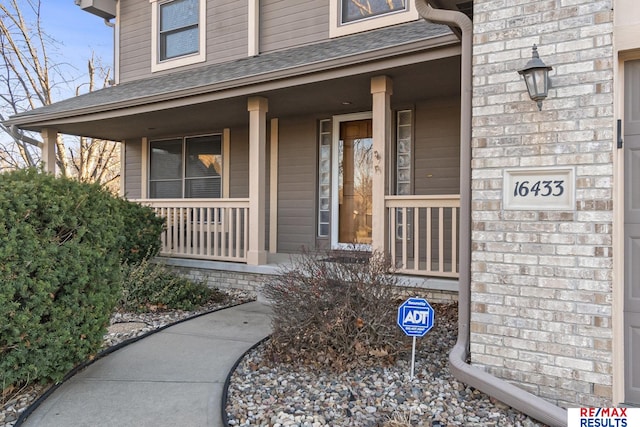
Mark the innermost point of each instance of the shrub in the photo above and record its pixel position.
(59, 273)
(142, 229)
(148, 286)
(335, 312)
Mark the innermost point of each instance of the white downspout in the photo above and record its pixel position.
(511, 395)
(111, 25)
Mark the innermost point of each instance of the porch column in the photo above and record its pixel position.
(258, 107)
(381, 90)
(49, 139)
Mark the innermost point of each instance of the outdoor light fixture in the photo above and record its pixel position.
(536, 76)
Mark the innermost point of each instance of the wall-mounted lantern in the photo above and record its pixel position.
(536, 76)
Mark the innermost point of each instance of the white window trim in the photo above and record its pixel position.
(337, 29)
(201, 56)
(335, 160)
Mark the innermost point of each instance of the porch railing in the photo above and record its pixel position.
(423, 234)
(204, 229)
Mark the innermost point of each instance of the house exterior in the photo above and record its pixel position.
(258, 128)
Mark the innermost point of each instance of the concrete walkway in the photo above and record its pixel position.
(171, 378)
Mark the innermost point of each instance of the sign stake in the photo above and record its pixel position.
(413, 358)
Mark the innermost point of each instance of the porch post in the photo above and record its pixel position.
(49, 138)
(381, 90)
(257, 107)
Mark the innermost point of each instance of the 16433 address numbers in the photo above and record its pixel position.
(550, 188)
(539, 188)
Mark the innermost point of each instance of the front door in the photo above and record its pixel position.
(352, 178)
(632, 233)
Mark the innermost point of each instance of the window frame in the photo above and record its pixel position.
(193, 58)
(183, 178)
(325, 148)
(337, 28)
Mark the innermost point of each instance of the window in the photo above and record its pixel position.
(404, 162)
(186, 168)
(178, 28)
(404, 166)
(356, 10)
(179, 35)
(353, 16)
(324, 179)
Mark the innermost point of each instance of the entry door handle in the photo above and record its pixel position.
(620, 142)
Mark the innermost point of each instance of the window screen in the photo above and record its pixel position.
(187, 167)
(179, 34)
(355, 10)
(165, 169)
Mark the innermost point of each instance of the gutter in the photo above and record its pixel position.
(504, 391)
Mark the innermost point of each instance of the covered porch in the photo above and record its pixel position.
(280, 178)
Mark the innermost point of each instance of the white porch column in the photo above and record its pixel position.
(49, 138)
(381, 90)
(258, 107)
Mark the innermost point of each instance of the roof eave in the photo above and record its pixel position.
(34, 121)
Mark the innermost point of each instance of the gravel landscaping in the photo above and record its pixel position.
(264, 394)
(124, 326)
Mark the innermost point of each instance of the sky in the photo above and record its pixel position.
(78, 34)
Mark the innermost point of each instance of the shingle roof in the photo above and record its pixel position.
(263, 64)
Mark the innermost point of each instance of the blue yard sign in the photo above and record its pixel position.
(415, 317)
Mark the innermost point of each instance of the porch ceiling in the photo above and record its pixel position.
(432, 79)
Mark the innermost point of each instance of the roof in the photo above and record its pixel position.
(206, 78)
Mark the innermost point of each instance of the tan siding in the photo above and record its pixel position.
(226, 36)
(437, 148)
(135, 40)
(437, 162)
(133, 169)
(239, 163)
(297, 161)
(226, 30)
(286, 23)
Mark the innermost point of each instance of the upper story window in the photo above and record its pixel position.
(354, 16)
(355, 10)
(178, 29)
(179, 33)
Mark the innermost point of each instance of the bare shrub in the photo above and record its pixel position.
(335, 311)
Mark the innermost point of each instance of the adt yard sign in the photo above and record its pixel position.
(415, 317)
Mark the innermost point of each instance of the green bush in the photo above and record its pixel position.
(335, 311)
(142, 229)
(59, 273)
(148, 286)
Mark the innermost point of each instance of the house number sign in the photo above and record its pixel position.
(539, 188)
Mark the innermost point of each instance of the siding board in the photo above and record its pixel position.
(297, 159)
(437, 148)
(133, 168)
(135, 40)
(287, 23)
(239, 163)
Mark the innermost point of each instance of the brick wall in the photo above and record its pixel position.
(253, 283)
(541, 280)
